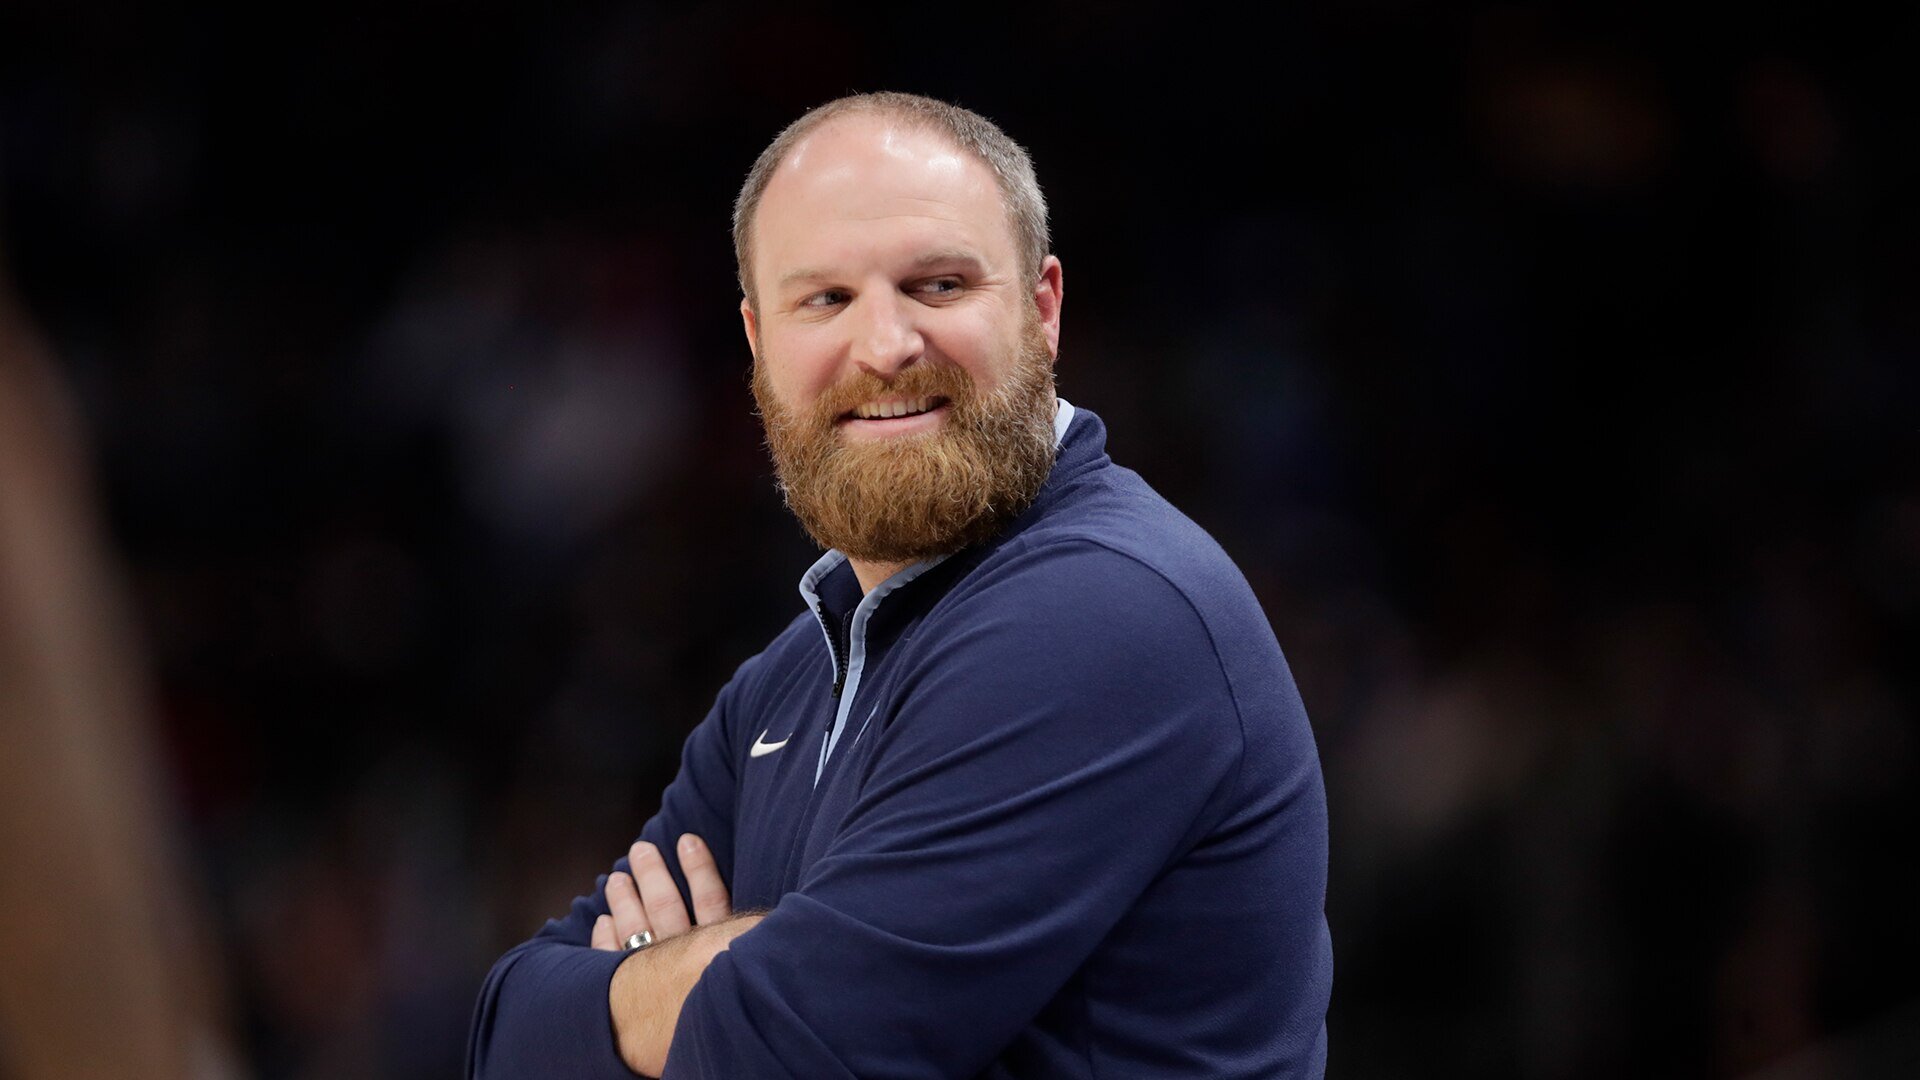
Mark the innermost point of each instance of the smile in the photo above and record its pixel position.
(879, 419)
(890, 409)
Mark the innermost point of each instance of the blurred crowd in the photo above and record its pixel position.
(1551, 376)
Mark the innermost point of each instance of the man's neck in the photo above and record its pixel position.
(873, 573)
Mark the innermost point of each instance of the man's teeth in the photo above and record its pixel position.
(885, 410)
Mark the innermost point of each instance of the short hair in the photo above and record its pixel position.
(977, 135)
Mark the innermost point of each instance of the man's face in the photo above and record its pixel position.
(903, 366)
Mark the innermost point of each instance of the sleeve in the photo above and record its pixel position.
(543, 1007)
(1045, 764)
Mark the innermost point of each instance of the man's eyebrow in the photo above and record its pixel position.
(946, 256)
(960, 257)
(805, 273)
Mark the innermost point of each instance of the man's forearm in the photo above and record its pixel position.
(650, 986)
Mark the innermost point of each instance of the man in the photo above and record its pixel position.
(1028, 791)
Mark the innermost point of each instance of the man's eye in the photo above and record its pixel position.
(828, 298)
(941, 286)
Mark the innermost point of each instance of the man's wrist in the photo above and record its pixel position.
(650, 986)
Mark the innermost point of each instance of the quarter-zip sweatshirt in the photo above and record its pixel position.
(1050, 808)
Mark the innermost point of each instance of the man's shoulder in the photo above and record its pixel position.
(798, 642)
(799, 638)
(1099, 589)
(1114, 561)
(1115, 515)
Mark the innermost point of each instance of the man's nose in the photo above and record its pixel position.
(885, 337)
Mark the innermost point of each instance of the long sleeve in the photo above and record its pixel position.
(543, 1008)
(1045, 765)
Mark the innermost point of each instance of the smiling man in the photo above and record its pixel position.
(1027, 789)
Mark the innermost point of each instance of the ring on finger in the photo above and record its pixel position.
(636, 942)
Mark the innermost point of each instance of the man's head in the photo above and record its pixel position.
(1026, 208)
(891, 264)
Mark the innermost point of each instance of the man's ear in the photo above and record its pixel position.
(747, 320)
(1048, 292)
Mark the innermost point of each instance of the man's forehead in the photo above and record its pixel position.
(848, 141)
(861, 173)
(868, 167)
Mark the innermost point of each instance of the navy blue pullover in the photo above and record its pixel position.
(1071, 824)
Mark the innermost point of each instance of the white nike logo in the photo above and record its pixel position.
(761, 747)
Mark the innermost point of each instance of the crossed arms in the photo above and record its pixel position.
(994, 843)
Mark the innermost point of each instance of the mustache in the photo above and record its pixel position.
(923, 379)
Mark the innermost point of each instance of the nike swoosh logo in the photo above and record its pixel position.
(761, 747)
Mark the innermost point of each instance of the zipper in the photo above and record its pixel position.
(837, 643)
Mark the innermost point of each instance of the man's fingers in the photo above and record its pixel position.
(666, 912)
(603, 934)
(629, 917)
(711, 904)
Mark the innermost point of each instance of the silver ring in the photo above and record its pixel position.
(636, 942)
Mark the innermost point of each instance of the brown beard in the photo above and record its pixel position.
(912, 497)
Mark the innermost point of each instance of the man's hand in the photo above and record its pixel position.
(650, 986)
(648, 901)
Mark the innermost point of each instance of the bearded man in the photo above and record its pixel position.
(1027, 790)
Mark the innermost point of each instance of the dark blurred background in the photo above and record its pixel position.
(1549, 373)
